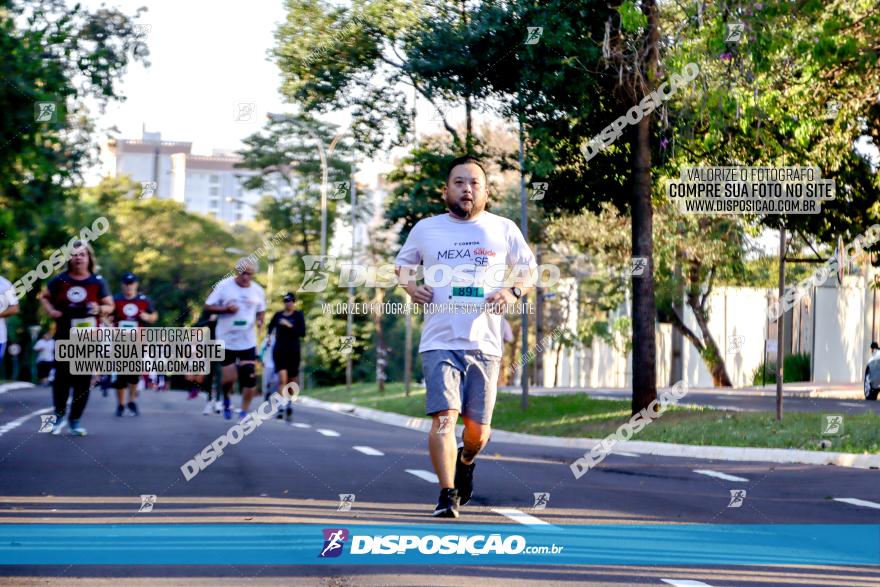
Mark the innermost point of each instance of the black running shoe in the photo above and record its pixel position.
(447, 505)
(120, 410)
(133, 408)
(464, 478)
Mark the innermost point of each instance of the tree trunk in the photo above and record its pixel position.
(710, 354)
(381, 350)
(644, 309)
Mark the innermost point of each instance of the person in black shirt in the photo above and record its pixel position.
(76, 298)
(288, 327)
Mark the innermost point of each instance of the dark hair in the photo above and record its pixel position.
(93, 261)
(464, 159)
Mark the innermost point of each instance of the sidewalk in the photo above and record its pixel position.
(840, 391)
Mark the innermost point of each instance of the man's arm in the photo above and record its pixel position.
(10, 311)
(260, 317)
(406, 278)
(221, 309)
(45, 301)
(105, 305)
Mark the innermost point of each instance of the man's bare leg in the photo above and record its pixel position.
(475, 437)
(132, 392)
(441, 445)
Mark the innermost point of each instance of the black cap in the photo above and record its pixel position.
(129, 278)
(289, 297)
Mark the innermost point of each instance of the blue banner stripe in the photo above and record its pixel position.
(279, 544)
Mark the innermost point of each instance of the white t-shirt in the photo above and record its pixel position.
(10, 299)
(237, 330)
(480, 251)
(45, 350)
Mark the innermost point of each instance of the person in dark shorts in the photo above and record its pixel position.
(76, 298)
(241, 307)
(287, 327)
(132, 310)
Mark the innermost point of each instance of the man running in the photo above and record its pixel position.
(461, 344)
(241, 307)
(133, 310)
(8, 307)
(45, 348)
(76, 298)
(288, 327)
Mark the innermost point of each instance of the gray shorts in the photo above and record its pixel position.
(465, 381)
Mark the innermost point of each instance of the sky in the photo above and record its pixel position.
(206, 57)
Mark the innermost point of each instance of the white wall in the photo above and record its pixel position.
(841, 315)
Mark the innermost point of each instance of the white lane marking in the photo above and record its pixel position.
(685, 583)
(624, 454)
(19, 421)
(851, 404)
(368, 450)
(856, 501)
(718, 475)
(15, 385)
(424, 475)
(301, 425)
(326, 432)
(521, 517)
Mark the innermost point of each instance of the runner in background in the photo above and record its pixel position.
(287, 328)
(210, 383)
(8, 307)
(45, 348)
(75, 298)
(132, 310)
(241, 305)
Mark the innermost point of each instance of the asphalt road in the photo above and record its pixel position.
(283, 473)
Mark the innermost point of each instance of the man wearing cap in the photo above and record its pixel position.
(133, 310)
(288, 327)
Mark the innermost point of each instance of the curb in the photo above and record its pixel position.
(722, 453)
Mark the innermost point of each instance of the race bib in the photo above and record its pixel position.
(128, 323)
(88, 322)
(466, 291)
(239, 324)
